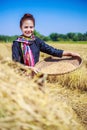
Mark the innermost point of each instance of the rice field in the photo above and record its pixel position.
(43, 102)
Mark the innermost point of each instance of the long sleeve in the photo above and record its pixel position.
(16, 52)
(49, 49)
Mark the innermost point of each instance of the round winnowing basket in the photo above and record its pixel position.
(57, 66)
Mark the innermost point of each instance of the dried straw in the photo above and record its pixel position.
(23, 106)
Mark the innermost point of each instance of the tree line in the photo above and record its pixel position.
(52, 37)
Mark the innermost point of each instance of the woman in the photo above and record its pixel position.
(26, 48)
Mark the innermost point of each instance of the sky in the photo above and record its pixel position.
(51, 16)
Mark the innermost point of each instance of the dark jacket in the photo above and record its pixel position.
(37, 46)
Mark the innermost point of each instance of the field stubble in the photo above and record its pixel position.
(44, 102)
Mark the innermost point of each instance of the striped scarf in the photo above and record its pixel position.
(27, 53)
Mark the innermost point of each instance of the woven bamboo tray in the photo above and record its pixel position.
(57, 66)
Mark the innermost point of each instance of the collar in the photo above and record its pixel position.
(26, 40)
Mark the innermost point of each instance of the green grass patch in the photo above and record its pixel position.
(67, 42)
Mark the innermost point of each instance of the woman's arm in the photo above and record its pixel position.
(16, 52)
(49, 49)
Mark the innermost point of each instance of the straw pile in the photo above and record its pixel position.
(23, 106)
(34, 104)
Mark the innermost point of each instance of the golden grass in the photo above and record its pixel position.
(44, 102)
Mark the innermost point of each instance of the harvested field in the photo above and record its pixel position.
(42, 102)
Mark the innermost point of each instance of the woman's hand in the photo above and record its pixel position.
(68, 53)
(33, 69)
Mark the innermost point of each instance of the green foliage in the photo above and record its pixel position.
(52, 37)
(68, 37)
(45, 38)
(4, 38)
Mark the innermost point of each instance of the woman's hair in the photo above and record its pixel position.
(27, 16)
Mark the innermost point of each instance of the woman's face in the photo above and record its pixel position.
(27, 27)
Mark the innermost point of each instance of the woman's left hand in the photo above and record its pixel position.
(75, 54)
(68, 53)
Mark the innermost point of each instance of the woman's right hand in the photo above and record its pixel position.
(34, 69)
